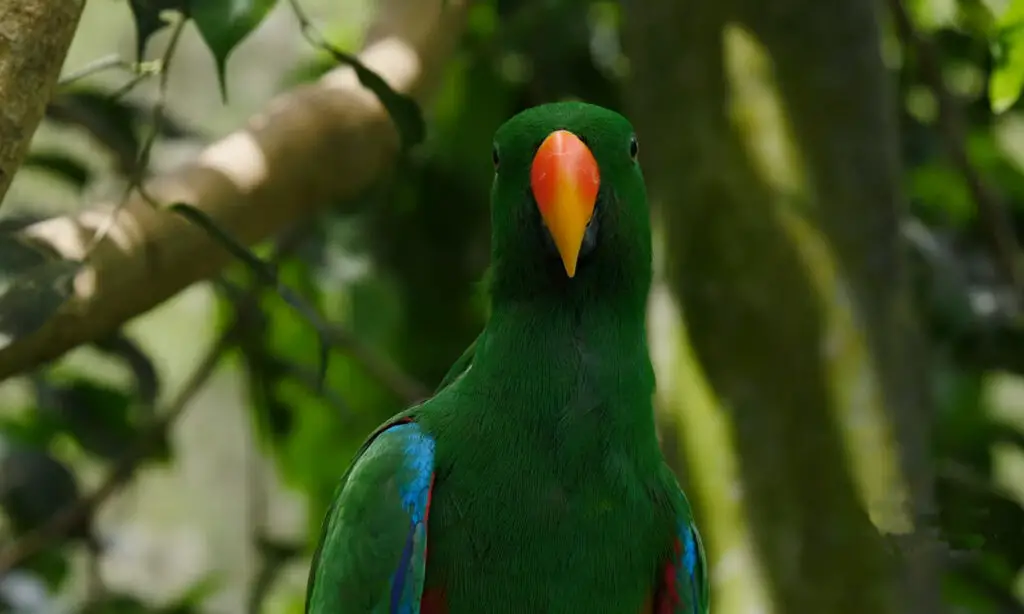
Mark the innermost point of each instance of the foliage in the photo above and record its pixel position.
(344, 320)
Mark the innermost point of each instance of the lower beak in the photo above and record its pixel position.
(565, 179)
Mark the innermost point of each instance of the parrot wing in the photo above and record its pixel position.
(372, 552)
(683, 586)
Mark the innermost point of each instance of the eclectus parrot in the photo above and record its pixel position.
(532, 481)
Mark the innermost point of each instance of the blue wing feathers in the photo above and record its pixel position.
(419, 454)
(691, 568)
(689, 548)
(399, 581)
(407, 581)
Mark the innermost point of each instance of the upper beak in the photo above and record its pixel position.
(565, 179)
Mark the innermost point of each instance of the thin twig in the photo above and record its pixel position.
(119, 475)
(142, 160)
(256, 513)
(377, 365)
(309, 31)
(310, 380)
(96, 66)
(129, 85)
(991, 209)
(340, 338)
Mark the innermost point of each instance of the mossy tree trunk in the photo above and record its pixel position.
(755, 315)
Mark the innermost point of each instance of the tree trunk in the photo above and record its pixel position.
(34, 39)
(758, 292)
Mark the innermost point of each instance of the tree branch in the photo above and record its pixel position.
(34, 40)
(317, 145)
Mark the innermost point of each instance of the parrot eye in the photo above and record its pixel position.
(494, 156)
(634, 147)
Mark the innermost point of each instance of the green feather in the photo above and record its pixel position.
(551, 492)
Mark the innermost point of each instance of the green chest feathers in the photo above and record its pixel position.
(535, 535)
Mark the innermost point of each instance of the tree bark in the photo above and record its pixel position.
(754, 314)
(34, 39)
(317, 145)
(844, 117)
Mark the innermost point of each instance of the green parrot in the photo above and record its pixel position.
(532, 481)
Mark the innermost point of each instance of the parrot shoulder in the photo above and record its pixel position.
(372, 551)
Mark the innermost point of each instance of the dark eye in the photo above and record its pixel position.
(634, 147)
(494, 156)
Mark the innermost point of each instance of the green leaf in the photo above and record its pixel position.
(114, 122)
(1013, 15)
(148, 16)
(147, 381)
(929, 16)
(34, 487)
(274, 418)
(51, 565)
(320, 63)
(1004, 86)
(403, 110)
(111, 122)
(33, 286)
(264, 272)
(224, 24)
(60, 165)
(940, 194)
(98, 416)
(1007, 48)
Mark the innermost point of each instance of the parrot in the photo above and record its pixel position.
(532, 480)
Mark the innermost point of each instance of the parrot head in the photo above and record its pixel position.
(568, 204)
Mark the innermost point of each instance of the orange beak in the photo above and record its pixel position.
(565, 178)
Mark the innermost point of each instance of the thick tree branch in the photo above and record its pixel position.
(34, 40)
(319, 144)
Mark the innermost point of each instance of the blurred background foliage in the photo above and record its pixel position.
(218, 510)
